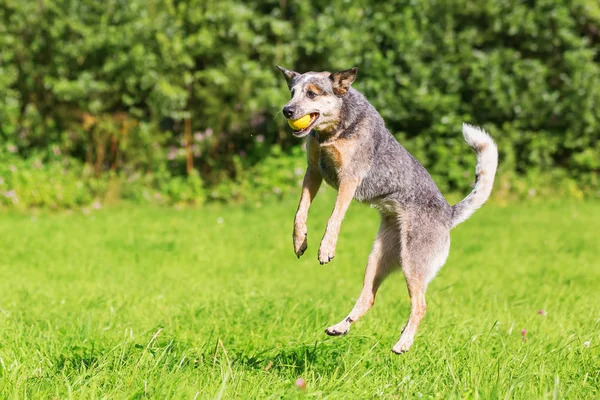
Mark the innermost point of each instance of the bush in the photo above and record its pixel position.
(55, 184)
(111, 85)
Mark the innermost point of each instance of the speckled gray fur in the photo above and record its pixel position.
(415, 218)
(394, 174)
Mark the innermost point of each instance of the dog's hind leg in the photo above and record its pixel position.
(417, 286)
(384, 258)
(424, 251)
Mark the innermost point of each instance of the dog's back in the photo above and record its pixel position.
(389, 173)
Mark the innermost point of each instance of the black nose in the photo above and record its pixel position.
(288, 111)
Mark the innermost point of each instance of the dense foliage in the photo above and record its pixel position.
(97, 95)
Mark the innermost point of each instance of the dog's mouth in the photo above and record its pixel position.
(300, 133)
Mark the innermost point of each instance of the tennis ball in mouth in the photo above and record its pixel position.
(300, 123)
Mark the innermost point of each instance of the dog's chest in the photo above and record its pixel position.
(330, 168)
(338, 160)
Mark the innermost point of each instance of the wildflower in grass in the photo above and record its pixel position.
(587, 343)
(219, 220)
(300, 384)
(524, 334)
(208, 132)
(541, 312)
(12, 148)
(199, 136)
(96, 205)
(56, 150)
(260, 138)
(12, 168)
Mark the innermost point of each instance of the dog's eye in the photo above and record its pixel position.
(311, 94)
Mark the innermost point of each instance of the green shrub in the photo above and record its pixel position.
(109, 85)
(54, 184)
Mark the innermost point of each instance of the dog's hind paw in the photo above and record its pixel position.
(338, 330)
(402, 347)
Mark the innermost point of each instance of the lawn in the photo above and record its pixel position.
(135, 302)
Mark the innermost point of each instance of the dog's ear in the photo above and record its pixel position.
(288, 75)
(341, 81)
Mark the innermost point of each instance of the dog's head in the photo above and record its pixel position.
(318, 95)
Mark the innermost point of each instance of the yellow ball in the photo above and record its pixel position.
(300, 123)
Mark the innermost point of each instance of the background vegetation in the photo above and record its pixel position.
(177, 101)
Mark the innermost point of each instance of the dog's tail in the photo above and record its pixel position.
(487, 161)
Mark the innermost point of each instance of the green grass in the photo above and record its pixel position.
(146, 302)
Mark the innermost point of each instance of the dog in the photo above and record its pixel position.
(349, 146)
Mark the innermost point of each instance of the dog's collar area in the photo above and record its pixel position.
(321, 140)
(344, 133)
(324, 139)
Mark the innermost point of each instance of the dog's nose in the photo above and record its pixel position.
(288, 111)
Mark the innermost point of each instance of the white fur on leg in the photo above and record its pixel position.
(382, 260)
(403, 345)
(339, 329)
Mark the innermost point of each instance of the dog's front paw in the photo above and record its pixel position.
(326, 252)
(300, 241)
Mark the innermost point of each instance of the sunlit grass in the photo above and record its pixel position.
(139, 301)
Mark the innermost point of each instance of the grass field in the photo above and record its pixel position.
(212, 303)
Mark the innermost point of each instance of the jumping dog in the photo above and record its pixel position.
(349, 146)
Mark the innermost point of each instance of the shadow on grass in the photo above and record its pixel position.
(78, 358)
(176, 354)
(294, 359)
